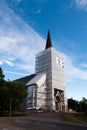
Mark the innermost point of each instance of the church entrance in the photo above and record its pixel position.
(58, 104)
(58, 94)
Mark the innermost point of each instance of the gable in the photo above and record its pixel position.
(38, 79)
(26, 79)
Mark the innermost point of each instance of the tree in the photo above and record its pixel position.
(84, 100)
(1, 74)
(79, 106)
(12, 94)
(17, 94)
(83, 104)
(2, 91)
(72, 104)
(1, 77)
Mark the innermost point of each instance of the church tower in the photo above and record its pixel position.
(51, 63)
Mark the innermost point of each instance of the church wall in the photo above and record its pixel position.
(41, 97)
(43, 64)
(51, 62)
(39, 100)
(58, 79)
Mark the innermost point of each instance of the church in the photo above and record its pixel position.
(46, 88)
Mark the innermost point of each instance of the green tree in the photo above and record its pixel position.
(2, 91)
(83, 104)
(1, 77)
(72, 104)
(84, 100)
(17, 94)
(79, 106)
(12, 94)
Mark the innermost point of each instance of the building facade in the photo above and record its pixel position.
(47, 88)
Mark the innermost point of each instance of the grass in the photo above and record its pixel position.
(6, 118)
(18, 113)
(76, 118)
(3, 119)
(13, 113)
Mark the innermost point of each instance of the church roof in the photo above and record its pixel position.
(39, 79)
(26, 79)
(48, 42)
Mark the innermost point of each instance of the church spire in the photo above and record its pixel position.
(48, 42)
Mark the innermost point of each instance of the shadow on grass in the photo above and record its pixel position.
(13, 114)
(76, 118)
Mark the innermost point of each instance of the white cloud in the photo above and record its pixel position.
(8, 63)
(18, 41)
(5, 61)
(72, 72)
(84, 65)
(27, 67)
(1, 62)
(16, 73)
(81, 4)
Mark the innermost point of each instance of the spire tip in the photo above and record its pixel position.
(48, 42)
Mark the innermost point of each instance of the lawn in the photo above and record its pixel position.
(5, 119)
(76, 118)
(13, 113)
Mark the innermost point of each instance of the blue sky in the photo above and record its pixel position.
(23, 32)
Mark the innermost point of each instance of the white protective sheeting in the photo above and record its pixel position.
(39, 79)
